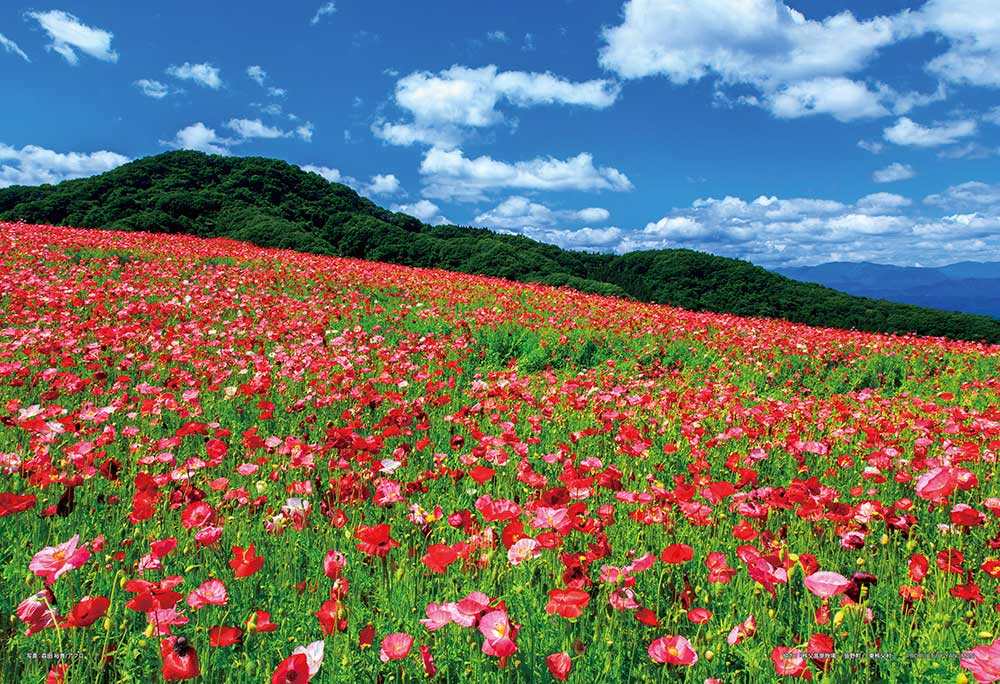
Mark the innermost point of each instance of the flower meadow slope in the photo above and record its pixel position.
(226, 464)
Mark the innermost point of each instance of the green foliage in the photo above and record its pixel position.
(274, 204)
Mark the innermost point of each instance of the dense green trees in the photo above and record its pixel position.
(274, 204)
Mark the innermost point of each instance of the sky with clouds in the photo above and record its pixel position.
(784, 133)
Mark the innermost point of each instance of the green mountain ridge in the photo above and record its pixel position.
(271, 203)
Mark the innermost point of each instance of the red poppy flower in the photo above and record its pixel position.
(950, 560)
(57, 674)
(964, 515)
(968, 592)
(375, 541)
(87, 612)
(395, 647)
(244, 563)
(333, 564)
(826, 584)
(677, 553)
(162, 547)
(179, 659)
(495, 510)
(569, 603)
(224, 636)
(647, 617)
(821, 644)
(292, 670)
(439, 557)
(15, 503)
(699, 615)
(559, 665)
(331, 617)
(260, 621)
(428, 661)
(481, 474)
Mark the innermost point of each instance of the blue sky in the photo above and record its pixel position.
(785, 133)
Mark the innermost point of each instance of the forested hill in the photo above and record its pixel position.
(275, 204)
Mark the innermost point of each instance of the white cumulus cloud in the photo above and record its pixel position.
(425, 210)
(203, 74)
(68, 34)
(257, 74)
(444, 103)
(520, 212)
(254, 128)
(893, 172)
(34, 165)
(970, 195)
(152, 88)
(800, 65)
(200, 137)
(449, 174)
(383, 184)
(842, 98)
(907, 132)
(972, 30)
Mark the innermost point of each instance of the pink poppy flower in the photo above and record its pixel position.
(395, 647)
(826, 584)
(212, 592)
(37, 612)
(522, 550)
(745, 629)
(937, 483)
(162, 619)
(790, 663)
(675, 650)
(437, 617)
(53, 562)
(984, 663)
(496, 629)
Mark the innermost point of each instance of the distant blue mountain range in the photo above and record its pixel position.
(969, 286)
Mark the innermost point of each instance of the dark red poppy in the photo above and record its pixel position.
(366, 636)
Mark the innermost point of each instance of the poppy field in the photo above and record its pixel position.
(220, 463)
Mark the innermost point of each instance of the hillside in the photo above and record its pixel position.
(969, 286)
(275, 204)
